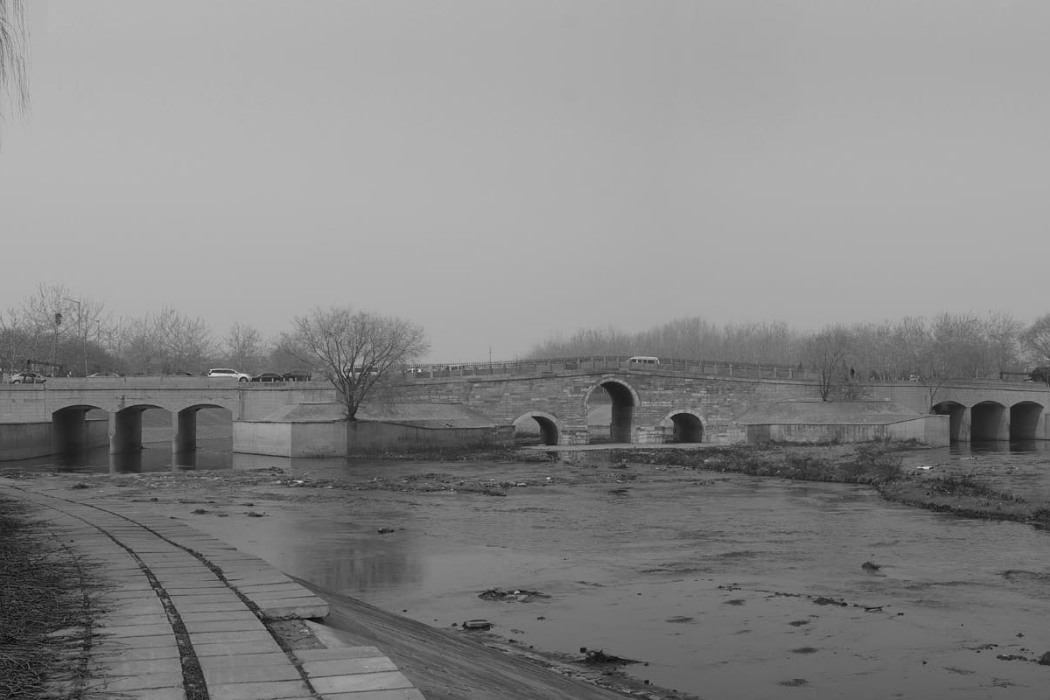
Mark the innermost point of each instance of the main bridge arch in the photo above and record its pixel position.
(685, 425)
(623, 400)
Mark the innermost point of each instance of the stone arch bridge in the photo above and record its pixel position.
(62, 411)
(645, 405)
(693, 404)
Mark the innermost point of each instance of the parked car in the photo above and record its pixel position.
(1040, 374)
(268, 377)
(229, 374)
(105, 374)
(28, 378)
(297, 375)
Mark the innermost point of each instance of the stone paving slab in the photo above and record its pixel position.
(228, 675)
(353, 683)
(266, 690)
(397, 694)
(220, 601)
(340, 667)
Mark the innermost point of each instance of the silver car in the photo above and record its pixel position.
(27, 378)
(229, 374)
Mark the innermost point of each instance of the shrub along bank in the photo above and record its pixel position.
(876, 464)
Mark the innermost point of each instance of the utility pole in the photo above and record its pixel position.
(54, 341)
(81, 336)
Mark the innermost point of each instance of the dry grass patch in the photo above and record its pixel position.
(46, 609)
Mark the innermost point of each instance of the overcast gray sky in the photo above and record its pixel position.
(503, 171)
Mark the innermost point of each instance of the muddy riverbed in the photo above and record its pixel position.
(719, 585)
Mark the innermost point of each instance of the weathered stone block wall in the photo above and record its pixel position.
(931, 430)
(262, 438)
(716, 400)
(24, 440)
(286, 439)
(371, 437)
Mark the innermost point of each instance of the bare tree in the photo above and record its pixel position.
(356, 351)
(1036, 338)
(827, 352)
(14, 55)
(244, 347)
(1003, 333)
(139, 346)
(187, 341)
(165, 342)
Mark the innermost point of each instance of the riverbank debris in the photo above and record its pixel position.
(514, 595)
(823, 600)
(598, 657)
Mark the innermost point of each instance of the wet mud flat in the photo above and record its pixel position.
(720, 584)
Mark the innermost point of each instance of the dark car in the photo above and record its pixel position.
(297, 375)
(28, 378)
(1040, 374)
(268, 377)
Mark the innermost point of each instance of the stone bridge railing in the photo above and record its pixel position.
(709, 368)
(605, 363)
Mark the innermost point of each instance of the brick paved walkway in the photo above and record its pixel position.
(185, 615)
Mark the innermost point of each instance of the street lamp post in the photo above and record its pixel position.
(54, 341)
(80, 333)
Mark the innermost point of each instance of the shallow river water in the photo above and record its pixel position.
(721, 585)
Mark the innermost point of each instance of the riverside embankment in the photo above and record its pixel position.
(721, 584)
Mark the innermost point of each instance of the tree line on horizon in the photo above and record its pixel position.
(55, 327)
(356, 351)
(966, 345)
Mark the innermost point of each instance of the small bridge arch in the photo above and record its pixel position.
(70, 436)
(956, 413)
(1025, 417)
(686, 426)
(624, 400)
(989, 420)
(550, 427)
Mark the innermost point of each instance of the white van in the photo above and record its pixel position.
(643, 361)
